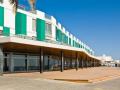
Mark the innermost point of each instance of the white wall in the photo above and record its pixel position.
(53, 21)
(6, 4)
(30, 32)
(1, 28)
(9, 20)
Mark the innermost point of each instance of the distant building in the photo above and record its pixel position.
(108, 61)
(117, 63)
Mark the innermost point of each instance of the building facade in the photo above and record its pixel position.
(36, 41)
(109, 61)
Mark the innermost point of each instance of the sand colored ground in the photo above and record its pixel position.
(82, 75)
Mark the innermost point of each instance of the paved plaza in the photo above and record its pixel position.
(82, 75)
(12, 83)
(36, 81)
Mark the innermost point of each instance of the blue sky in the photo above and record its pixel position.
(95, 22)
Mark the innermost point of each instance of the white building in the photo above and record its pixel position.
(38, 42)
(109, 61)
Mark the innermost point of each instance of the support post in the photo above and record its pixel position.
(48, 62)
(86, 62)
(11, 62)
(81, 62)
(62, 61)
(1, 60)
(94, 62)
(77, 63)
(27, 57)
(71, 63)
(41, 60)
(90, 62)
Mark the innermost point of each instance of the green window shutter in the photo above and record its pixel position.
(69, 41)
(76, 44)
(6, 31)
(20, 23)
(40, 29)
(63, 39)
(1, 16)
(73, 43)
(66, 39)
(58, 35)
(79, 45)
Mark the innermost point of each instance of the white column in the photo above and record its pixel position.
(53, 28)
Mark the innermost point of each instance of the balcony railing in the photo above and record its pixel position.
(47, 40)
(24, 37)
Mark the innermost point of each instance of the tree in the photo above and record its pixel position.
(1, 1)
(32, 4)
(15, 4)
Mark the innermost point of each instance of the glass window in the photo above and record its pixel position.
(19, 62)
(33, 63)
(48, 29)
